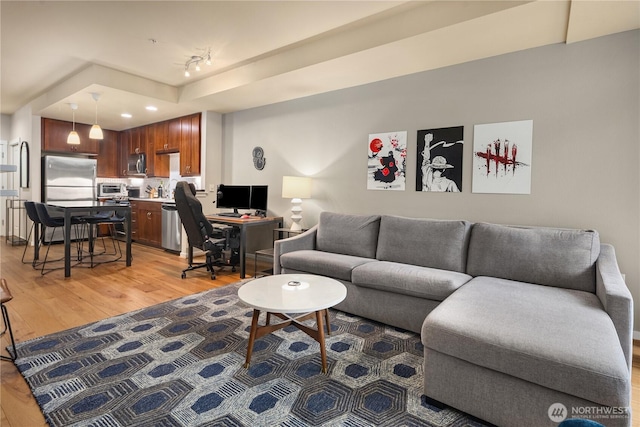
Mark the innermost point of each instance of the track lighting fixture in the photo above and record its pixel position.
(73, 138)
(197, 59)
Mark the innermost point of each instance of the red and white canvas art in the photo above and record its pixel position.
(502, 157)
(386, 161)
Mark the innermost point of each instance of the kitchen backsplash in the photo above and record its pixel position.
(167, 183)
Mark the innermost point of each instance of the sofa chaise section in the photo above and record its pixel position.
(529, 328)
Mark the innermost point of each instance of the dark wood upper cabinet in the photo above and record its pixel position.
(109, 155)
(190, 145)
(54, 137)
(167, 136)
(157, 140)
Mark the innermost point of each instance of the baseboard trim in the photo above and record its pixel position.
(636, 336)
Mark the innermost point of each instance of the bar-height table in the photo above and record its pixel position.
(68, 208)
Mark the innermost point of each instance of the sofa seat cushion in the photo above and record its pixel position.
(558, 338)
(322, 263)
(412, 280)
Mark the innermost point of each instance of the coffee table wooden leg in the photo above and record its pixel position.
(326, 315)
(252, 336)
(323, 351)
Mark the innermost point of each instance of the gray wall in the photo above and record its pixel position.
(583, 99)
(5, 127)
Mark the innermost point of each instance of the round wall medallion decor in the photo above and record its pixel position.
(258, 158)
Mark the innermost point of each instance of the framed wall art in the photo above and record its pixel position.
(502, 157)
(386, 161)
(439, 161)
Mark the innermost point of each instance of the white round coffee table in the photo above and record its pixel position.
(285, 294)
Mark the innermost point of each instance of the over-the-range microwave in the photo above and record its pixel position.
(137, 164)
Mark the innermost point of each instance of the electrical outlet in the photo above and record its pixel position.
(212, 188)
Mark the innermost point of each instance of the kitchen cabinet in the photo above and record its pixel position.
(142, 140)
(149, 223)
(109, 155)
(157, 165)
(190, 145)
(137, 141)
(123, 146)
(167, 136)
(54, 137)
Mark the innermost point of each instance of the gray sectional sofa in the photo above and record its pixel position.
(513, 319)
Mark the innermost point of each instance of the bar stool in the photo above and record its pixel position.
(32, 213)
(54, 223)
(103, 218)
(5, 297)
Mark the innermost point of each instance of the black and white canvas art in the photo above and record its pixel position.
(439, 162)
(386, 161)
(502, 157)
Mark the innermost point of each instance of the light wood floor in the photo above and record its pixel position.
(43, 305)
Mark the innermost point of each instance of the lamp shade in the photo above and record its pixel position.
(73, 138)
(296, 187)
(96, 132)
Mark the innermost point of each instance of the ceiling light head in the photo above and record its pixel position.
(96, 130)
(151, 108)
(73, 138)
(197, 59)
(126, 115)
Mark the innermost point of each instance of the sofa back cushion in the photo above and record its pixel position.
(424, 242)
(355, 235)
(562, 258)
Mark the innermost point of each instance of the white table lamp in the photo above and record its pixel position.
(296, 188)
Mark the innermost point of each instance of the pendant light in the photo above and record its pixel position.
(96, 130)
(73, 138)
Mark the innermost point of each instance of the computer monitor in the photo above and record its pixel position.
(234, 197)
(259, 198)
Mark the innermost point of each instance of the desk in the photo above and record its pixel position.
(68, 208)
(243, 225)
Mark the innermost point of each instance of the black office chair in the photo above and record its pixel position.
(200, 233)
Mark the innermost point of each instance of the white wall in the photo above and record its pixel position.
(583, 99)
(27, 127)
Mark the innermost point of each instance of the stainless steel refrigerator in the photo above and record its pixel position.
(67, 178)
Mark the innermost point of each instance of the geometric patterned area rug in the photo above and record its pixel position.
(180, 363)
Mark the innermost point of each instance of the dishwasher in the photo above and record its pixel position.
(171, 228)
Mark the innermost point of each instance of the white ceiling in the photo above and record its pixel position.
(133, 53)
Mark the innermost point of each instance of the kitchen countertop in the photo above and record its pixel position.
(155, 199)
